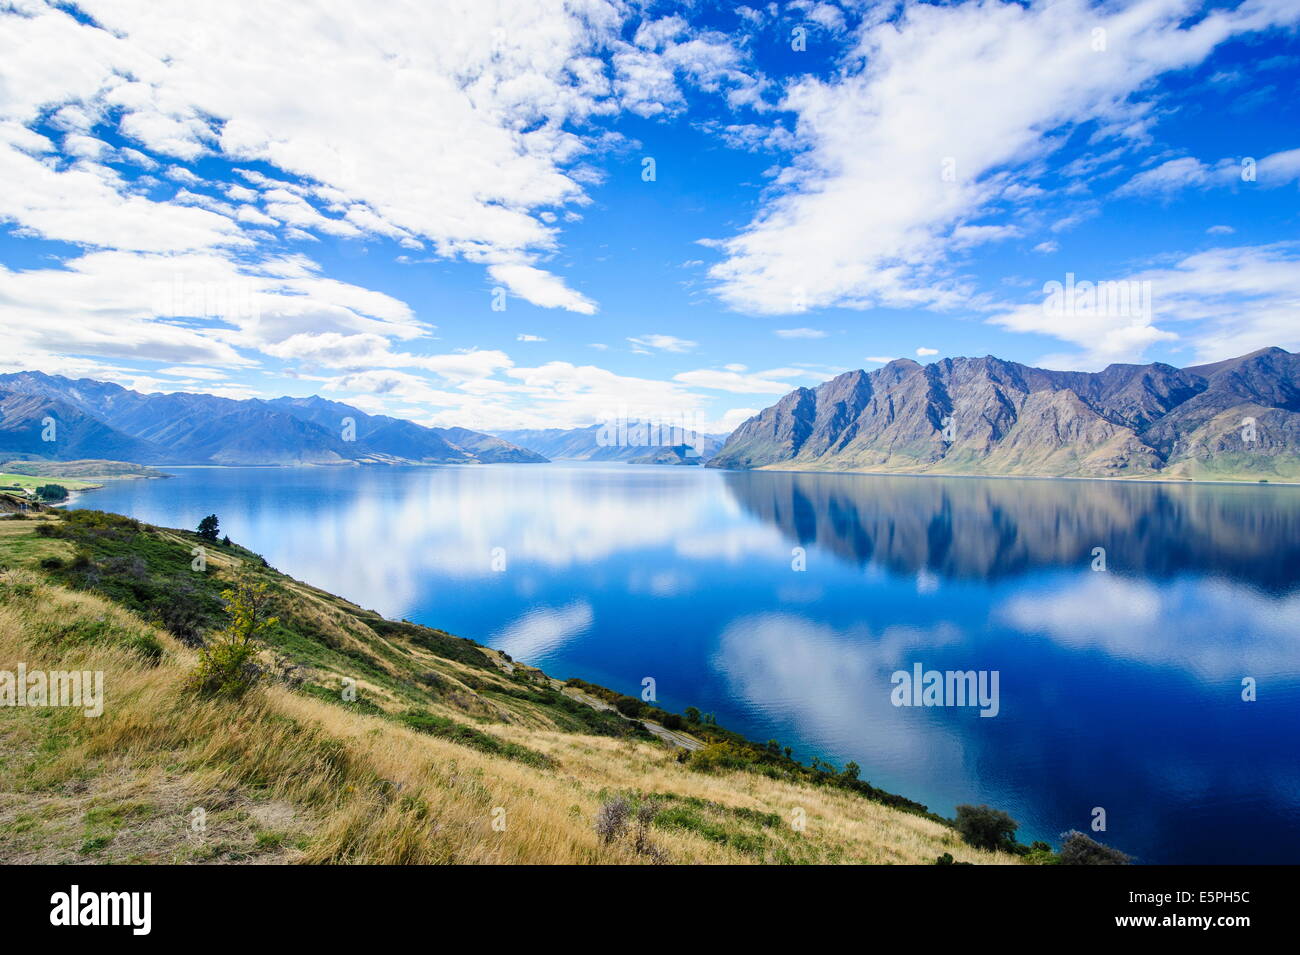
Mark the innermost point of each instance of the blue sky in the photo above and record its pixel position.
(255, 202)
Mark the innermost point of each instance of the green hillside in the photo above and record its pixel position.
(366, 739)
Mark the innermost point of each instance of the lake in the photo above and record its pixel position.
(784, 603)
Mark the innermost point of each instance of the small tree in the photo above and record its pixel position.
(228, 665)
(692, 714)
(209, 528)
(986, 828)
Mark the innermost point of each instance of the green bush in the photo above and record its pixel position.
(226, 668)
(987, 828)
(629, 706)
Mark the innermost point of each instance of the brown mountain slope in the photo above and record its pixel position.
(1236, 419)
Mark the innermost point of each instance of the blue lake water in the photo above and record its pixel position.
(1120, 689)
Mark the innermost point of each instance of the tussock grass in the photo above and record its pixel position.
(283, 775)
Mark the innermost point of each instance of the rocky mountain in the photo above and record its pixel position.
(57, 418)
(1235, 419)
(589, 444)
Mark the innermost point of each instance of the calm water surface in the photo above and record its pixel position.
(1119, 689)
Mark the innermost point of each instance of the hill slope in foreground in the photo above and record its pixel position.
(443, 739)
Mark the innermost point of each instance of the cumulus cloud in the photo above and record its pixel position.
(757, 383)
(1235, 300)
(448, 125)
(1176, 175)
(909, 144)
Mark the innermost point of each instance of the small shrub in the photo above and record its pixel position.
(51, 563)
(986, 828)
(629, 706)
(611, 819)
(226, 668)
(183, 615)
(1078, 849)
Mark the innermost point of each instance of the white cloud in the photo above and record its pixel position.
(758, 383)
(1171, 176)
(192, 307)
(800, 333)
(446, 124)
(647, 71)
(1235, 300)
(923, 351)
(909, 144)
(669, 343)
(1175, 175)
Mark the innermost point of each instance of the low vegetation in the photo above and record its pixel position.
(251, 717)
(89, 469)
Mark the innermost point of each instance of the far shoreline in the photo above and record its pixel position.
(1013, 477)
(767, 469)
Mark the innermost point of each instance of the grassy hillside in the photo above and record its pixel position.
(26, 481)
(89, 469)
(447, 751)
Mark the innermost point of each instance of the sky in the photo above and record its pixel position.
(504, 215)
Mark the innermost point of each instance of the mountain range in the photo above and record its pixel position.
(1237, 419)
(96, 419)
(602, 442)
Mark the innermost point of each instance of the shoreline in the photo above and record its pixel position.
(1012, 477)
(706, 467)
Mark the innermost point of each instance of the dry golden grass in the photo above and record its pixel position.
(284, 777)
